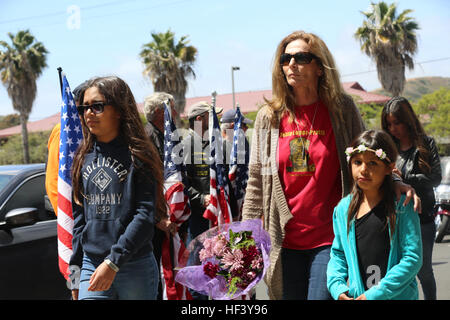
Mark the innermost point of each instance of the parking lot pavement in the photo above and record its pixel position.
(441, 267)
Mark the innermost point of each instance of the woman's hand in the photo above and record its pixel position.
(167, 226)
(344, 296)
(102, 278)
(361, 297)
(410, 193)
(206, 200)
(397, 172)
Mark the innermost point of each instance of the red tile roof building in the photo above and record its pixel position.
(45, 124)
(355, 89)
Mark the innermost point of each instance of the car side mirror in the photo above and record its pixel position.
(19, 218)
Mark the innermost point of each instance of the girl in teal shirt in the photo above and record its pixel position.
(377, 249)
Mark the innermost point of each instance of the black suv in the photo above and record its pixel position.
(28, 240)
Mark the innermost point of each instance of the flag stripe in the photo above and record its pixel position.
(65, 221)
(65, 206)
(64, 188)
(64, 252)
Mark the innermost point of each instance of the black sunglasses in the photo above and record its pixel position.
(96, 108)
(299, 57)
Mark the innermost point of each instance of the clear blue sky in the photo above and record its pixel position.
(243, 33)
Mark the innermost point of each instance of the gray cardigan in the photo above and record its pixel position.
(264, 195)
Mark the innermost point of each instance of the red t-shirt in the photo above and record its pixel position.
(309, 171)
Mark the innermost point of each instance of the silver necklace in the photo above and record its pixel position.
(309, 132)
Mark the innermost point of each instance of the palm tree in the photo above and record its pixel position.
(21, 63)
(391, 41)
(168, 64)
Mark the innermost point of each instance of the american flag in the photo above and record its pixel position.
(218, 210)
(239, 159)
(71, 137)
(179, 211)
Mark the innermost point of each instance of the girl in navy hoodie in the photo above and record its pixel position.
(117, 191)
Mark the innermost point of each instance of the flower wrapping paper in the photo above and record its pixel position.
(193, 275)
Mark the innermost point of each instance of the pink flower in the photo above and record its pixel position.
(349, 151)
(257, 263)
(208, 243)
(220, 246)
(207, 251)
(233, 259)
(380, 154)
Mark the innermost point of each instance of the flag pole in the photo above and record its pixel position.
(213, 103)
(213, 99)
(60, 79)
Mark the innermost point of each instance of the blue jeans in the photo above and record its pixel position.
(136, 280)
(305, 273)
(426, 275)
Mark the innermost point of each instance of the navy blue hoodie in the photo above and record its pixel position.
(117, 217)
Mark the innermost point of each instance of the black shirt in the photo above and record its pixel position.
(373, 245)
(403, 157)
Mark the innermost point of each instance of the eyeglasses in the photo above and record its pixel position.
(96, 108)
(299, 57)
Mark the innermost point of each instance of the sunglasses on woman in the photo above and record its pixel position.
(299, 57)
(96, 108)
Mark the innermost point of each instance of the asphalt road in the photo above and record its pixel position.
(441, 267)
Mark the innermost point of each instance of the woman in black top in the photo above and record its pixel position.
(418, 164)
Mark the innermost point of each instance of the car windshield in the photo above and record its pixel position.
(4, 178)
(445, 164)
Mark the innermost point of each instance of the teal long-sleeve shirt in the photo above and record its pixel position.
(405, 257)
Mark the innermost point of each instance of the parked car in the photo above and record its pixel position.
(442, 195)
(28, 239)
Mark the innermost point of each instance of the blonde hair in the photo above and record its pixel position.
(329, 87)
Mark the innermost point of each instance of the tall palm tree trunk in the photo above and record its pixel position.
(391, 73)
(26, 151)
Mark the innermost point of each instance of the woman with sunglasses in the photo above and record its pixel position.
(117, 187)
(298, 170)
(419, 165)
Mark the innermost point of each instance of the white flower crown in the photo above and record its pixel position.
(361, 148)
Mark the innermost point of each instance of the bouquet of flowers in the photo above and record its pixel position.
(227, 261)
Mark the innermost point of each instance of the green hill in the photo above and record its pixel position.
(416, 87)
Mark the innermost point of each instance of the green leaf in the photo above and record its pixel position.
(232, 288)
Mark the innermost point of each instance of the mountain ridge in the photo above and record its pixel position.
(415, 88)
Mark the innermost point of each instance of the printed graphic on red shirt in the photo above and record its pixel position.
(300, 162)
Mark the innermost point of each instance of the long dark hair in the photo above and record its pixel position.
(375, 139)
(144, 156)
(401, 109)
